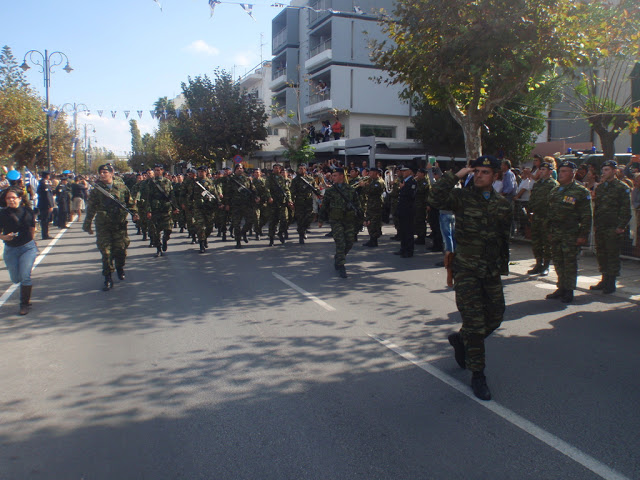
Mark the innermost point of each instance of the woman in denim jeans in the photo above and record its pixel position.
(18, 226)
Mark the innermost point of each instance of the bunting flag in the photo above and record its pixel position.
(248, 7)
(153, 113)
(164, 112)
(212, 6)
(30, 178)
(158, 4)
(189, 112)
(100, 113)
(358, 10)
(278, 5)
(140, 113)
(113, 113)
(177, 113)
(126, 114)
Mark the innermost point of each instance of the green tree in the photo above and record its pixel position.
(470, 57)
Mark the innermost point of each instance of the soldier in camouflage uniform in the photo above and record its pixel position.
(483, 223)
(569, 227)
(279, 199)
(260, 209)
(611, 214)
(135, 194)
(111, 223)
(203, 207)
(161, 203)
(355, 180)
(142, 206)
(184, 200)
(539, 208)
(240, 200)
(373, 190)
(422, 195)
(222, 216)
(180, 192)
(340, 206)
(302, 195)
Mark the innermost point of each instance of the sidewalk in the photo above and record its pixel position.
(588, 274)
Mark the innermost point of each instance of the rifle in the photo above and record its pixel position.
(207, 193)
(164, 194)
(313, 189)
(107, 194)
(284, 196)
(243, 188)
(349, 203)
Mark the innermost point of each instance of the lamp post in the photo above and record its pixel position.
(87, 147)
(76, 107)
(46, 61)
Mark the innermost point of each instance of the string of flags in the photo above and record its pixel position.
(164, 114)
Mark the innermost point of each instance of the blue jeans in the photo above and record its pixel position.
(19, 262)
(448, 229)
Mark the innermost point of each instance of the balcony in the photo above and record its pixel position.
(319, 55)
(278, 78)
(318, 103)
(279, 39)
(323, 6)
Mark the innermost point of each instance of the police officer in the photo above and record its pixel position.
(611, 214)
(483, 224)
(539, 208)
(111, 223)
(569, 227)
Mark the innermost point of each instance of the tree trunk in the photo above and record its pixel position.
(472, 137)
(607, 140)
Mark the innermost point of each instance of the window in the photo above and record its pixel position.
(272, 131)
(412, 133)
(377, 131)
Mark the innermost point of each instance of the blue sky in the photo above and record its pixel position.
(128, 53)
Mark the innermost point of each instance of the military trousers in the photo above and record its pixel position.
(480, 302)
(238, 214)
(564, 253)
(304, 215)
(608, 245)
(343, 236)
(203, 222)
(540, 243)
(112, 241)
(161, 222)
(277, 219)
(374, 217)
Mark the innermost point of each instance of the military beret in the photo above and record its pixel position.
(13, 175)
(610, 163)
(422, 170)
(107, 166)
(568, 164)
(226, 168)
(546, 165)
(303, 165)
(374, 169)
(158, 165)
(487, 161)
(203, 168)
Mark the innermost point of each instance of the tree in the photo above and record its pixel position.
(11, 75)
(224, 121)
(470, 57)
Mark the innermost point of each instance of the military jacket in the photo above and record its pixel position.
(197, 196)
(373, 191)
(160, 195)
(422, 192)
(238, 196)
(482, 226)
(107, 212)
(539, 199)
(570, 210)
(261, 189)
(300, 191)
(278, 189)
(612, 205)
(335, 207)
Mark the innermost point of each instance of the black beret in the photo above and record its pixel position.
(107, 166)
(202, 168)
(546, 165)
(158, 165)
(610, 163)
(569, 164)
(487, 161)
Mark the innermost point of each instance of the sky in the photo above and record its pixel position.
(128, 53)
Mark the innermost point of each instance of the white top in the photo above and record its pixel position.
(525, 185)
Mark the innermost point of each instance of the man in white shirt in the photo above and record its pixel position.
(522, 201)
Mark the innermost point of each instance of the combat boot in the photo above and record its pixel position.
(165, 240)
(202, 247)
(420, 241)
(342, 271)
(610, 286)
(206, 242)
(455, 340)
(557, 294)
(479, 386)
(25, 297)
(139, 232)
(301, 238)
(545, 269)
(120, 273)
(537, 269)
(144, 236)
(219, 233)
(181, 229)
(601, 284)
(238, 242)
(368, 243)
(158, 252)
(375, 242)
(224, 236)
(108, 283)
(244, 237)
(257, 236)
(567, 296)
(286, 234)
(271, 241)
(281, 237)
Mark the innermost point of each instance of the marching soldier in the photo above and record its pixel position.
(539, 208)
(223, 213)
(279, 199)
(302, 194)
(483, 224)
(111, 222)
(203, 203)
(569, 226)
(260, 209)
(372, 191)
(161, 202)
(341, 207)
(611, 214)
(240, 200)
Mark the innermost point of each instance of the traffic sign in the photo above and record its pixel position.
(237, 159)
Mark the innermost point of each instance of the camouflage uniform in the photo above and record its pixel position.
(111, 224)
(242, 204)
(342, 219)
(539, 208)
(160, 199)
(303, 203)
(611, 210)
(281, 195)
(203, 208)
(222, 215)
(420, 223)
(260, 209)
(180, 193)
(482, 255)
(139, 195)
(569, 219)
(184, 200)
(373, 191)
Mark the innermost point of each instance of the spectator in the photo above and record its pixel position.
(312, 133)
(337, 129)
(497, 183)
(522, 202)
(78, 195)
(45, 204)
(535, 171)
(553, 163)
(4, 183)
(326, 131)
(322, 89)
(509, 184)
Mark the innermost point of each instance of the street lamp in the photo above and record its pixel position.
(46, 62)
(87, 147)
(76, 107)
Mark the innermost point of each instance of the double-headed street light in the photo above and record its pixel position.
(46, 62)
(87, 146)
(76, 108)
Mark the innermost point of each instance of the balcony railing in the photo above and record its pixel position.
(319, 97)
(321, 47)
(322, 6)
(280, 38)
(279, 73)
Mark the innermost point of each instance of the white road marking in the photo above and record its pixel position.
(313, 298)
(554, 442)
(9, 291)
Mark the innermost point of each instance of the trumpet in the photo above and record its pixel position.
(366, 179)
(389, 178)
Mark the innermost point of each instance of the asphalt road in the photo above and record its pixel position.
(261, 363)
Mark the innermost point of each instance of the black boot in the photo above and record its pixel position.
(238, 244)
(479, 386)
(567, 296)
(108, 283)
(301, 238)
(286, 234)
(244, 237)
(165, 241)
(181, 229)
(224, 236)
(219, 233)
(281, 237)
(139, 231)
(455, 339)
(600, 285)
(610, 287)
(144, 236)
(369, 243)
(25, 297)
(257, 236)
(202, 247)
(342, 271)
(271, 241)
(545, 268)
(158, 252)
(537, 269)
(420, 241)
(557, 294)
(120, 273)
